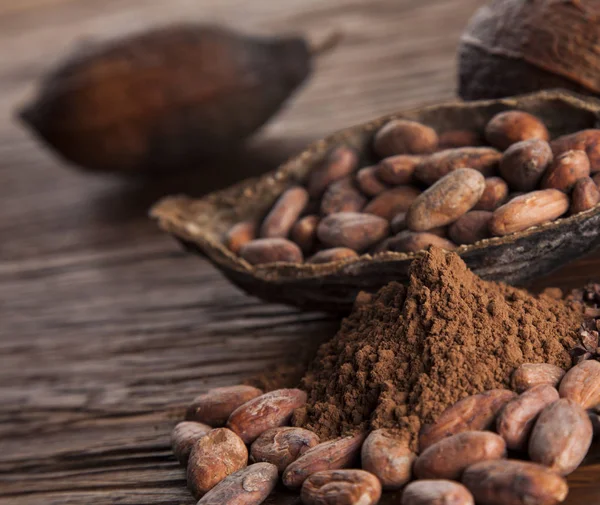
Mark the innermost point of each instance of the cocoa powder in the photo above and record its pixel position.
(404, 356)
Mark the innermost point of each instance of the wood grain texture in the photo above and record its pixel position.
(108, 329)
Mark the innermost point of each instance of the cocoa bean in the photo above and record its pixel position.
(596, 179)
(271, 250)
(585, 195)
(529, 375)
(353, 230)
(215, 406)
(341, 487)
(566, 169)
(582, 384)
(369, 183)
(584, 140)
(285, 212)
(183, 438)
(440, 164)
(459, 138)
(470, 227)
(392, 201)
(339, 163)
(333, 254)
(436, 492)
(523, 164)
(510, 127)
(494, 194)
(397, 169)
(398, 223)
(342, 196)
(409, 242)
(239, 235)
(401, 136)
(304, 233)
(281, 446)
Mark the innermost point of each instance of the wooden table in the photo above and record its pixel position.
(108, 328)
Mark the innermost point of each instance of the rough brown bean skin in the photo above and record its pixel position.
(280, 446)
(530, 209)
(585, 196)
(369, 183)
(285, 212)
(470, 227)
(339, 163)
(398, 169)
(398, 223)
(515, 422)
(448, 199)
(184, 437)
(459, 138)
(342, 196)
(333, 254)
(216, 405)
(353, 230)
(523, 164)
(436, 492)
(582, 384)
(596, 179)
(402, 136)
(584, 140)
(410, 241)
(271, 250)
(530, 375)
(436, 166)
(566, 169)
(392, 201)
(304, 232)
(341, 487)
(240, 234)
(494, 194)
(510, 127)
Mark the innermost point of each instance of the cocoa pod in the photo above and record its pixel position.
(582, 384)
(398, 223)
(333, 254)
(523, 164)
(470, 227)
(561, 436)
(339, 163)
(511, 482)
(285, 212)
(509, 127)
(271, 250)
(440, 164)
(584, 140)
(516, 420)
(353, 230)
(459, 138)
(530, 209)
(436, 492)
(389, 458)
(585, 196)
(494, 194)
(369, 183)
(249, 486)
(342, 196)
(184, 436)
(409, 241)
(392, 201)
(473, 413)
(215, 406)
(215, 456)
(397, 169)
(281, 446)
(341, 487)
(529, 375)
(239, 235)
(445, 201)
(566, 169)
(304, 233)
(448, 458)
(402, 136)
(267, 411)
(330, 455)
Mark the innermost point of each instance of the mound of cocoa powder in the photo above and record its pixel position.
(407, 353)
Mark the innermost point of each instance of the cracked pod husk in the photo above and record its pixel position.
(164, 99)
(515, 258)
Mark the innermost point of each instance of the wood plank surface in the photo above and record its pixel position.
(107, 328)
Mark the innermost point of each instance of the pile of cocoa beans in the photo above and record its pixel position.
(427, 189)
(237, 445)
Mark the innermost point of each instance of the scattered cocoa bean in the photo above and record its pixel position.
(516, 420)
(271, 250)
(409, 241)
(249, 486)
(448, 458)
(183, 438)
(398, 223)
(397, 169)
(270, 410)
(523, 164)
(529, 375)
(595, 420)
(510, 127)
(445, 201)
(369, 183)
(239, 235)
(339, 163)
(304, 233)
(494, 194)
(561, 436)
(596, 179)
(585, 195)
(392, 201)
(353, 230)
(285, 212)
(436, 492)
(388, 457)
(511, 482)
(215, 406)
(582, 384)
(333, 254)
(215, 456)
(470, 227)
(440, 164)
(584, 140)
(402, 136)
(281, 446)
(459, 138)
(341, 487)
(474, 413)
(530, 209)
(342, 196)
(566, 169)
(330, 455)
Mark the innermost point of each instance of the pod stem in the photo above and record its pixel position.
(327, 44)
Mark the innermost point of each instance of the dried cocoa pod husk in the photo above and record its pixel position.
(163, 99)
